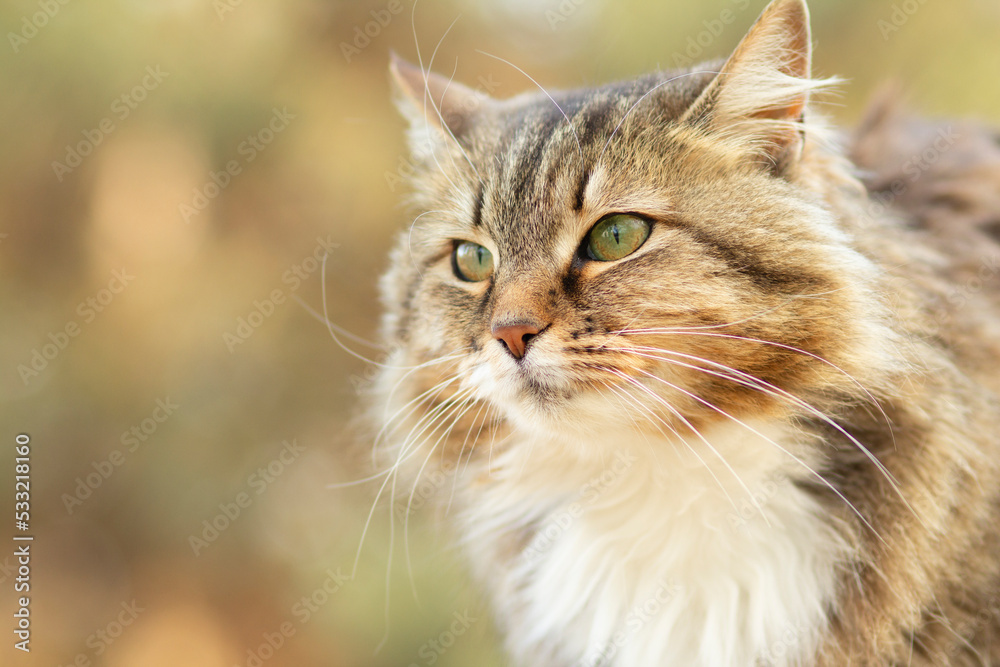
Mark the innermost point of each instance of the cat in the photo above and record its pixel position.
(702, 389)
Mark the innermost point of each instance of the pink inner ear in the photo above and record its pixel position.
(765, 84)
(793, 111)
(442, 101)
(758, 81)
(797, 54)
(408, 76)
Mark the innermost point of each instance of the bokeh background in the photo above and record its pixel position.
(172, 168)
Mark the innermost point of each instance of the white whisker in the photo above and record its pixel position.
(770, 389)
(795, 458)
(690, 426)
(784, 346)
(427, 96)
(402, 456)
(579, 146)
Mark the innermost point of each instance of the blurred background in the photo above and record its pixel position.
(171, 174)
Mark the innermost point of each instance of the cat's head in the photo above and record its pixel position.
(655, 254)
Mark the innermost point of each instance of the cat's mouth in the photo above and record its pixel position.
(526, 380)
(546, 392)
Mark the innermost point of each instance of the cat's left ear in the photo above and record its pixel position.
(759, 97)
(447, 110)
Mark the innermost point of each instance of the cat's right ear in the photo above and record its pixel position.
(445, 109)
(759, 97)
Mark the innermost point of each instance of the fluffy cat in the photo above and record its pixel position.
(702, 390)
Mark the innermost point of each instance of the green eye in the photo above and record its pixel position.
(472, 262)
(616, 236)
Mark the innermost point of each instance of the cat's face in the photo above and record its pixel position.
(648, 255)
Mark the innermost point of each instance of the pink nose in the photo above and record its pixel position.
(515, 337)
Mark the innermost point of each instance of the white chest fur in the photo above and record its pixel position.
(656, 556)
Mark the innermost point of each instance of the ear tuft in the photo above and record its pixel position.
(762, 91)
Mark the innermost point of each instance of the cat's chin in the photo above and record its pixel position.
(545, 405)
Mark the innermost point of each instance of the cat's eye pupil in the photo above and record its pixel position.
(472, 262)
(616, 236)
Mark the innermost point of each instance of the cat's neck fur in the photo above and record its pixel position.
(708, 563)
